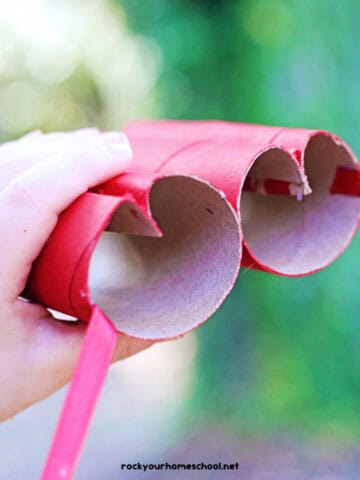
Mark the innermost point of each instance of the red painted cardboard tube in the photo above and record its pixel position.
(201, 199)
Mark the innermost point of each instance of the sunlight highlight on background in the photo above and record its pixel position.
(69, 64)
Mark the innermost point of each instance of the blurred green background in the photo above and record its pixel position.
(282, 356)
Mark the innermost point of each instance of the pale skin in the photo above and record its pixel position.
(40, 176)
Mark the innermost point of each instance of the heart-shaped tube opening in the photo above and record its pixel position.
(296, 234)
(159, 288)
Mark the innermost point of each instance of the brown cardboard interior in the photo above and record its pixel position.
(159, 288)
(297, 237)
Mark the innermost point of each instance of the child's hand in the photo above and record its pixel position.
(41, 175)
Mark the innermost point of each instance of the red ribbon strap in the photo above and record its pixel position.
(90, 372)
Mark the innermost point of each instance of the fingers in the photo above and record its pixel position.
(43, 353)
(8, 146)
(37, 136)
(15, 157)
(31, 202)
(51, 351)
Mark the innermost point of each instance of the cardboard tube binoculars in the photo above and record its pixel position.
(201, 199)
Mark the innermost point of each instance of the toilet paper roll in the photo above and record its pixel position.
(201, 199)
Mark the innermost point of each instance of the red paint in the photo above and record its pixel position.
(89, 376)
(347, 181)
(219, 153)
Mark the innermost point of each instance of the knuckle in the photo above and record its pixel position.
(18, 193)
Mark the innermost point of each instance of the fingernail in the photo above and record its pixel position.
(118, 144)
